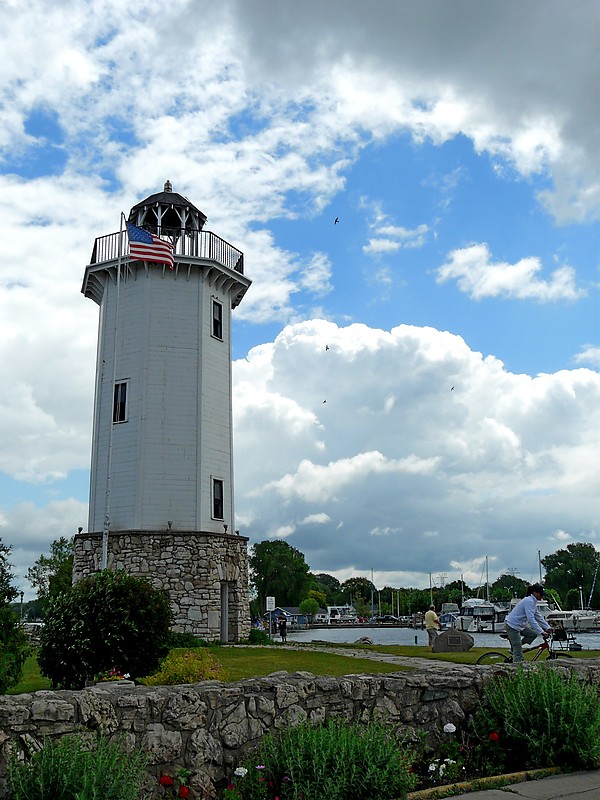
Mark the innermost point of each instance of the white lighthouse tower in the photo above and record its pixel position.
(161, 487)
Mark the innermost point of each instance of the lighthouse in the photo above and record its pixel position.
(162, 480)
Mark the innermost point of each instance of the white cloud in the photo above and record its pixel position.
(316, 482)
(477, 276)
(588, 355)
(316, 519)
(316, 277)
(261, 128)
(26, 527)
(492, 468)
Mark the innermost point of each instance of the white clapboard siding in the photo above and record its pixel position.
(178, 433)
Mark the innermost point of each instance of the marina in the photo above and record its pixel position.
(404, 636)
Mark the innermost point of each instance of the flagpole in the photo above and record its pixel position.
(105, 529)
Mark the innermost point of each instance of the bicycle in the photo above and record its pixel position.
(543, 651)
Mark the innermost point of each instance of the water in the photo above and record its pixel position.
(409, 636)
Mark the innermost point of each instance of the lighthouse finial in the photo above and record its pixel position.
(168, 186)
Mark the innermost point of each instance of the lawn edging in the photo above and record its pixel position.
(480, 784)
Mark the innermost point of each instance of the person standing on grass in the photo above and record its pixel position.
(432, 624)
(525, 623)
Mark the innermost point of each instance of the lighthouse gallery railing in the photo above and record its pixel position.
(199, 244)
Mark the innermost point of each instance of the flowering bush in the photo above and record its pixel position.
(111, 675)
(460, 758)
(186, 666)
(177, 786)
(538, 717)
(338, 760)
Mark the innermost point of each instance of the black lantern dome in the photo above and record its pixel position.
(167, 213)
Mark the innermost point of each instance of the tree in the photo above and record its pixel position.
(359, 589)
(109, 620)
(507, 586)
(52, 574)
(279, 570)
(319, 597)
(13, 643)
(309, 607)
(330, 586)
(567, 570)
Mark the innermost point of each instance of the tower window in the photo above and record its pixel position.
(217, 498)
(217, 319)
(120, 402)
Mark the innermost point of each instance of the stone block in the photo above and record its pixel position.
(453, 642)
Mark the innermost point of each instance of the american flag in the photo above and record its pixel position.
(146, 247)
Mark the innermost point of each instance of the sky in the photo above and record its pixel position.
(416, 387)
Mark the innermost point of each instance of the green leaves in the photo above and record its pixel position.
(78, 768)
(108, 620)
(279, 570)
(339, 760)
(545, 718)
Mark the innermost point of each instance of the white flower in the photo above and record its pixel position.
(432, 767)
(126, 675)
(241, 772)
(449, 728)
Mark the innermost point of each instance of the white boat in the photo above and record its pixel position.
(575, 621)
(481, 616)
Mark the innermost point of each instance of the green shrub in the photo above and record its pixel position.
(177, 639)
(538, 718)
(110, 620)
(258, 636)
(338, 761)
(14, 649)
(13, 643)
(77, 768)
(186, 666)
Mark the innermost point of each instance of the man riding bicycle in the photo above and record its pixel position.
(525, 623)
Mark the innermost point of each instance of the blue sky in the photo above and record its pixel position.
(458, 145)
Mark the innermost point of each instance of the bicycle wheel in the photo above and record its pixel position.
(493, 658)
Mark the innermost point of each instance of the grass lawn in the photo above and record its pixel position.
(249, 662)
(469, 657)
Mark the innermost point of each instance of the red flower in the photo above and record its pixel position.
(494, 737)
(184, 791)
(165, 780)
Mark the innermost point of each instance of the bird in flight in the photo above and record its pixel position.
(452, 389)
(324, 401)
(336, 220)
(326, 347)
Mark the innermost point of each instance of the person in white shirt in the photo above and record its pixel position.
(525, 623)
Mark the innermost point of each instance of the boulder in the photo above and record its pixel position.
(453, 642)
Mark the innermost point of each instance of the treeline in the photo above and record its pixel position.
(279, 570)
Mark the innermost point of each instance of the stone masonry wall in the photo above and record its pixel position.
(208, 727)
(189, 566)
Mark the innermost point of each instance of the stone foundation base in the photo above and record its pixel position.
(204, 574)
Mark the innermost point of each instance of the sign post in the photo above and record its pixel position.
(271, 608)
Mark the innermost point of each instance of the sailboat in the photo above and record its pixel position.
(482, 616)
